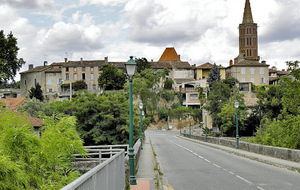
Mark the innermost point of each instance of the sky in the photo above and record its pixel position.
(200, 30)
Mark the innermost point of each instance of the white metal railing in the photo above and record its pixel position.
(108, 175)
(101, 152)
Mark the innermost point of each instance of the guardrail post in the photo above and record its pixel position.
(100, 156)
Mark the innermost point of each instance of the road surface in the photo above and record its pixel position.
(190, 166)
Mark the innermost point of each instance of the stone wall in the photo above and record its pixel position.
(277, 152)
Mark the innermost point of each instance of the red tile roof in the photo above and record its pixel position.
(36, 69)
(208, 66)
(249, 63)
(12, 103)
(169, 55)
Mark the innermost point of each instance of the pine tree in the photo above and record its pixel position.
(214, 76)
(36, 92)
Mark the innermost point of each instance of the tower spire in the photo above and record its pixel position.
(248, 19)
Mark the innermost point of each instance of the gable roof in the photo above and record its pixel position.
(208, 66)
(169, 55)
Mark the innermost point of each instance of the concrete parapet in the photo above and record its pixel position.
(276, 152)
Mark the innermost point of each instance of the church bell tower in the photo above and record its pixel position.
(248, 36)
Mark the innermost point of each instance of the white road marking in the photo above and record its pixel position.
(260, 188)
(241, 178)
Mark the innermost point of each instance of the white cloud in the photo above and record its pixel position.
(103, 2)
(29, 4)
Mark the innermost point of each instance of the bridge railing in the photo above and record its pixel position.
(110, 174)
(101, 153)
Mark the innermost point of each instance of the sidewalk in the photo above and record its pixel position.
(294, 166)
(145, 174)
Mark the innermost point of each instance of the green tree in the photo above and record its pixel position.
(103, 119)
(213, 76)
(168, 84)
(32, 107)
(36, 92)
(30, 162)
(111, 78)
(79, 85)
(142, 64)
(9, 63)
(294, 68)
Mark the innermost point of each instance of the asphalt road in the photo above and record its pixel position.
(190, 166)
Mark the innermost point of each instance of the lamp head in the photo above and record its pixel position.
(236, 104)
(141, 105)
(130, 67)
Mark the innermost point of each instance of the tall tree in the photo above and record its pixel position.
(111, 78)
(9, 63)
(142, 64)
(36, 92)
(213, 76)
(79, 85)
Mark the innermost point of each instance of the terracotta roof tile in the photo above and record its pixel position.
(58, 63)
(169, 55)
(250, 63)
(53, 70)
(208, 66)
(36, 69)
(12, 103)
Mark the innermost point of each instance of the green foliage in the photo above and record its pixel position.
(9, 63)
(213, 76)
(282, 133)
(111, 78)
(142, 64)
(30, 162)
(168, 84)
(79, 85)
(168, 95)
(181, 111)
(56, 108)
(294, 68)
(13, 84)
(31, 106)
(103, 119)
(36, 92)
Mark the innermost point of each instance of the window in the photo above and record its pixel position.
(75, 76)
(99, 68)
(34, 81)
(51, 90)
(83, 68)
(54, 74)
(92, 76)
(252, 71)
(75, 69)
(243, 80)
(243, 70)
(67, 77)
(252, 80)
(48, 81)
(94, 87)
(92, 69)
(67, 69)
(25, 82)
(83, 76)
(261, 71)
(262, 80)
(194, 96)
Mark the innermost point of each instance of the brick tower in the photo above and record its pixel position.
(248, 35)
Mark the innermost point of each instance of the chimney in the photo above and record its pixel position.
(263, 62)
(45, 63)
(283, 69)
(30, 66)
(179, 57)
(81, 60)
(106, 60)
(151, 60)
(230, 63)
(66, 60)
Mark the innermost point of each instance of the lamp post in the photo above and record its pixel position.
(141, 123)
(180, 125)
(236, 105)
(130, 68)
(205, 125)
(190, 126)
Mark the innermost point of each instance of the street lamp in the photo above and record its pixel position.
(180, 125)
(236, 105)
(130, 68)
(205, 125)
(141, 129)
(190, 126)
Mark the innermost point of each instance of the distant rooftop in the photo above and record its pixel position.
(169, 55)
